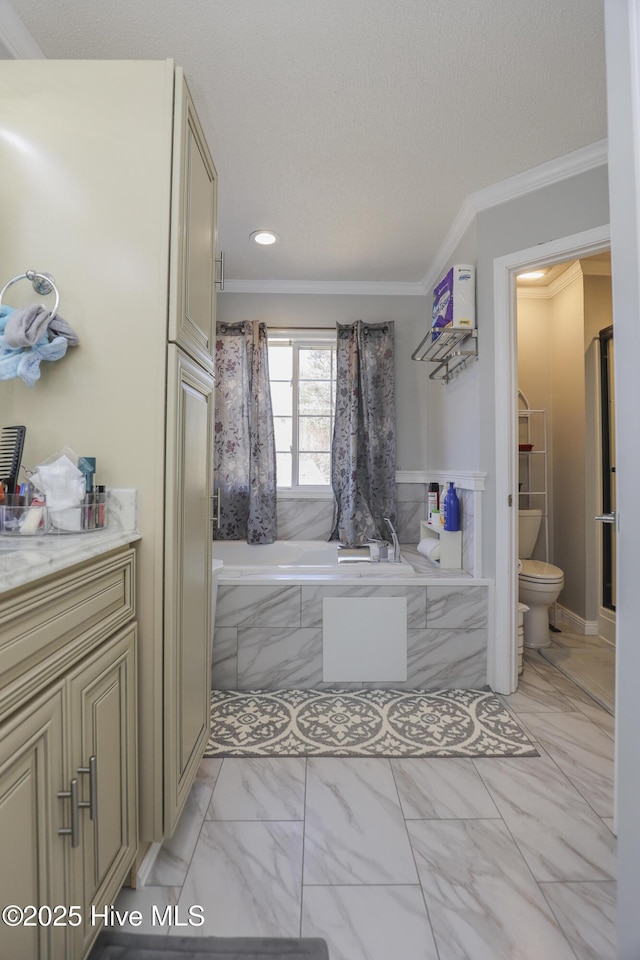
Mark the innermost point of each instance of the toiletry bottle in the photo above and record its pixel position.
(451, 509)
(100, 506)
(433, 501)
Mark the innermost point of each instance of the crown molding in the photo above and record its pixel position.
(362, 288)
(553, 171)
(15, 39)
(545, 174)
(577, 270)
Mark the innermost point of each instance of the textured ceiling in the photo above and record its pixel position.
(356, 128)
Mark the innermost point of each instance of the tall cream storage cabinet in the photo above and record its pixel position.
(107, 183)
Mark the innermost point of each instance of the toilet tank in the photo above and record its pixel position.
(528, 529)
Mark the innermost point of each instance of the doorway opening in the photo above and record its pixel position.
(564, 471)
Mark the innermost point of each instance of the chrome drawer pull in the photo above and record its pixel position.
(74, 830)
(92, 803)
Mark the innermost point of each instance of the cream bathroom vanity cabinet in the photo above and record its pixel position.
(68, 765)
(108, 184)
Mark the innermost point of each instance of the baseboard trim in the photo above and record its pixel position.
(146, 866)
(588, 628)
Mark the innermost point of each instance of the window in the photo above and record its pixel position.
(302, 371)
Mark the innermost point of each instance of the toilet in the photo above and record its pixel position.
(539, 583)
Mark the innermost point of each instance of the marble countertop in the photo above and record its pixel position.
(24, 560)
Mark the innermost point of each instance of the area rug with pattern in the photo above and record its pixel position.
(363, 723)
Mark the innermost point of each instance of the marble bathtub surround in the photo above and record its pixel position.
(269, 637)
(480, 824)
(309, 518)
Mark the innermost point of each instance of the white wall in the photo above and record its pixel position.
(573, 205)
(454, 429)
(622, 18)
(411, 316)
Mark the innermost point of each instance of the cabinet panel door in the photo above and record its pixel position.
(194, 234)
(102, 724)
(32, 853)
(188, 552)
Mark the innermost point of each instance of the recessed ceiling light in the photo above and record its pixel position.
(264, 237)
(532, 275)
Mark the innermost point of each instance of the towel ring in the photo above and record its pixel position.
(43, 284)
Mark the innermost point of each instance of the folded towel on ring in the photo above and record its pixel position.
(27, 325)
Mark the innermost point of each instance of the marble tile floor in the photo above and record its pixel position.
(418, 859)
(589, 661)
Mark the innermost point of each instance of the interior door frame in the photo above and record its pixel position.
(503, 661)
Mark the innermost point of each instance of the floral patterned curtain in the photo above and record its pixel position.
(244, 449)
(363, 452)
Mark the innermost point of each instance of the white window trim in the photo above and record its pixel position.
(302, 335)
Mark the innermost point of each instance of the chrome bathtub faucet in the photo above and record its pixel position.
(396, 543)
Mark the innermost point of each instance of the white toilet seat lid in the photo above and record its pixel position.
(539, 570)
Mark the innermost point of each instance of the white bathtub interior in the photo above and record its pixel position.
(303, 556)
(364, 639)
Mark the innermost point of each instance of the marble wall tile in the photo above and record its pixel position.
(443, 659)
(260, 788)
(582, 751)
(469, 871)
(457, 607)
(312, 597)
(224, 658)
(410, 513)
(272, 659)
(122, 509)
(369, 922)
(415, 492)
(430, 789)
(304, 519)
(559, 835)
(272, 606)
(468, 527)
(247, 877)
(587, 914)
(354, 829)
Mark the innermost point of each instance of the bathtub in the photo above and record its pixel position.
(304, 558)
(288, 616)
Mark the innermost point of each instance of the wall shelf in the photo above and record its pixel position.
(532, 465)
(451, 350)
(450, 544)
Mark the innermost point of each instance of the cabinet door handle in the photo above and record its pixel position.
(92, 803)
(220, 260)
(74, 830)
(217, 507)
